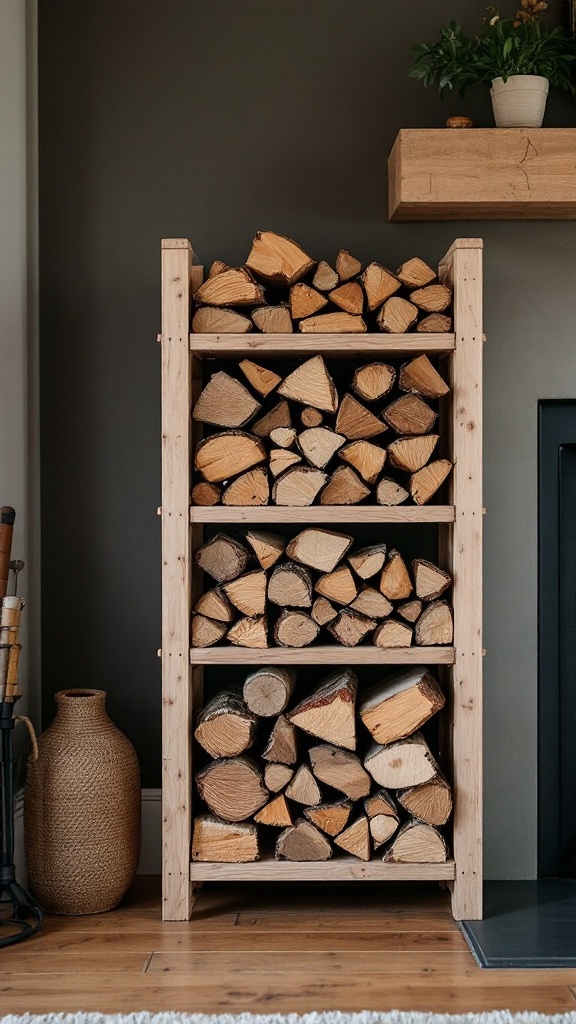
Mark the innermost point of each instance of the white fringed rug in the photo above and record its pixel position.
(327, 1017)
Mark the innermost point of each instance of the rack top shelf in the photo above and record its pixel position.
(382, 514)
(328, 344)
(343, 869)
(323, 654)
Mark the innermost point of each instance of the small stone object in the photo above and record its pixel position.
(459, 122)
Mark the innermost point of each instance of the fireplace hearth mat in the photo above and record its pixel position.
(526, 924)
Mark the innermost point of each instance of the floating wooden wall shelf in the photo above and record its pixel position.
(483, 174)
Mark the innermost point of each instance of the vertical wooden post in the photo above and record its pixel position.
(462, 267)
(176, 581)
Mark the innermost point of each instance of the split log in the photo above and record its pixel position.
(333, 323)
(427, 480)
(298, 486)
(389, 492)
(400, 765)
(382, 816)
(275, 813)
(277, 776)
(222, 842)
(330, 818)
(311, 417)
(395, 582)
(325, 279)
(232, 287)
(305, 301)
(232, 788)
(373, 381)
(206, 632)
(417, 843)
(303, 788)
(356, 839)
(303, 842)
(435, 298)
(278, 259)
(223, 557)
(249, 632)
(248, 593)
(349, 297)
(284, 437)
(225, 727)
(435, 626)
(397, 315)
(262, 380)
(372, 603)
(311, 384)
(379, 284)
(322, 611)
(355, 421)
(217, 267)
(268, 547)
(340, 769)
(337, 586)
(215, 605)
(419, 377)
(281, 459)
(430, 802)
(350, 628)
(273, 319)
(279, 416)
(429, 581)
(290, 586)
(392, 634)
(319, 549)
(399, 705)
(225, 402)
(329, 711)
(347, 266)
(409, 415)
(319, 444)
(281, 746)
(212, 320)
(368, 561)
(435, 323)
(267, 691)
(205, 494)
(227, 454)
(251, 488)
(410, 610)
(411, 453)
(366, 458)
(415, 274)
(295, 629)
(344, 488)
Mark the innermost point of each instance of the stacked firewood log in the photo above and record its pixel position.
(281, 288)
(307, 444)
(298, 771)
(317, 582)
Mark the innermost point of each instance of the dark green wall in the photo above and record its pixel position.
(211, 120)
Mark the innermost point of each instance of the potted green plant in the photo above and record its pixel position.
(517, 57)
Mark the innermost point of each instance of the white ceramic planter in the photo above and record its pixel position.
(519, 102)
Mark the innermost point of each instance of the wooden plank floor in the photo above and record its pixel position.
(270, 948)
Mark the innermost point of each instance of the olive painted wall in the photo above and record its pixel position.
(211, 120)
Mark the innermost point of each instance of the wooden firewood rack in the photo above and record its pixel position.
(460, 552)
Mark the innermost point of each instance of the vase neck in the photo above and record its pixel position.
(84, 708)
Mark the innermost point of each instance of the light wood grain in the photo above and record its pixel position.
(322, 514)
(322, 655)
(485, 174)
(324, 344)
(341, 869)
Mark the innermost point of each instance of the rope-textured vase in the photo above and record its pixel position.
(82, 809)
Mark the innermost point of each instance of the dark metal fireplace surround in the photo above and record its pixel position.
(533, 924)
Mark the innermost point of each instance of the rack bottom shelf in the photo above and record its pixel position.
(342, 869)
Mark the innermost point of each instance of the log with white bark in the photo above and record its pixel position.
(329, 711)
(404, 763)
(340, 769)
(267, 691)
(222, 842)
(225, 726)
(400, 704)
(233, 788)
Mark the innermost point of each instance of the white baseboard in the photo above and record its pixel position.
(151, 850)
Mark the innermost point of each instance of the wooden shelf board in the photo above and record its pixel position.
(482, 174)
(333, 654)
(341, 869)
(332, 514)
(327, 344)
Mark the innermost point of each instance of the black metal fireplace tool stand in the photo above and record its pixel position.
(26, 917)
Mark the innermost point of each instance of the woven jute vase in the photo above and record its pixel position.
(82, 809)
